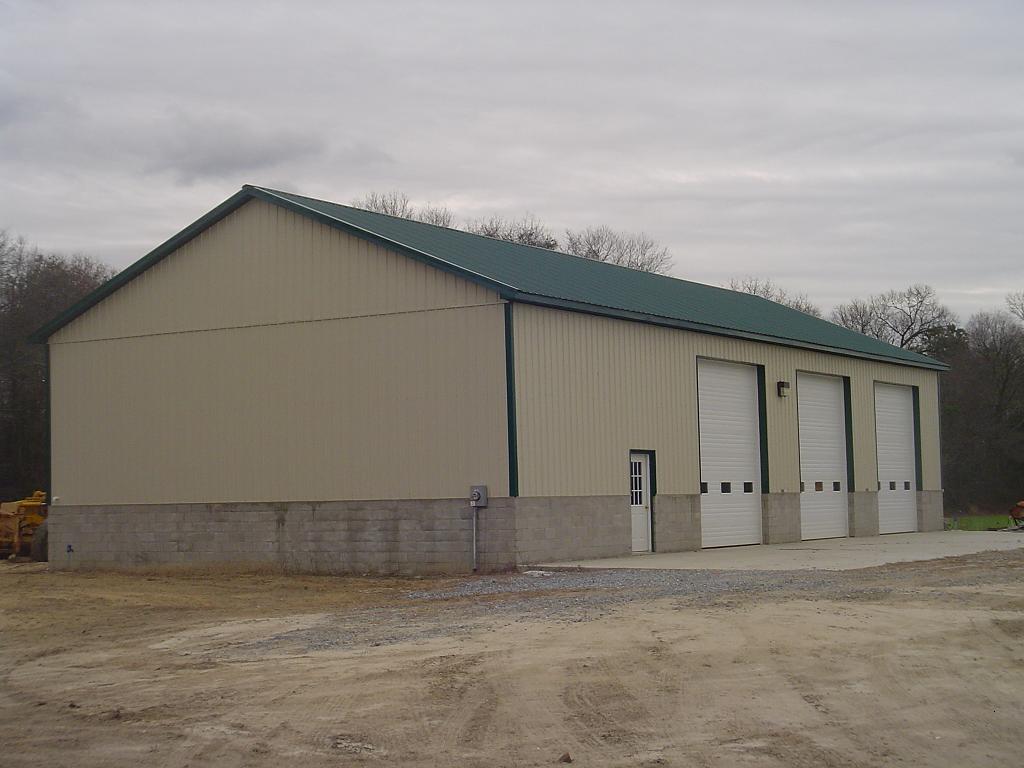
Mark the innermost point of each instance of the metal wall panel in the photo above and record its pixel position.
(368, 408)
(590, 388)
(276, 359)
(264, 264)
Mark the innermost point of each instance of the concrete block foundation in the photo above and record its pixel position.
(780, 518)
(337, 537)
(677, 522)
(930, 513)
(864, 513)
(570, 527)
(407, 536)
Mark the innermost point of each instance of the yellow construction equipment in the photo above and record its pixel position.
(23, 527)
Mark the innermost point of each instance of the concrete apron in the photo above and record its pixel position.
(823, 554)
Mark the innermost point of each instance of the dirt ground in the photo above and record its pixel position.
(917, 664)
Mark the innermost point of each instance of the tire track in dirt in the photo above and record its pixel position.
(602, 710)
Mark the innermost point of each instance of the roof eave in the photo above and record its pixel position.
(667, 322)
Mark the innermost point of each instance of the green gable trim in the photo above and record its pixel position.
(153, 257)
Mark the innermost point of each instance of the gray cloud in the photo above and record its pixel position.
(219, 147)
(840, 148)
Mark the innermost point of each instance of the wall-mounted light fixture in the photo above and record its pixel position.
(783, 388)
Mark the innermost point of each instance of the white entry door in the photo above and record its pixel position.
(640, 500)
(824, 504)
(897, 454)
(730, 454)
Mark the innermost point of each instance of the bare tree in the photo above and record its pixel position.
(1015, 303)
(34, 287)
(398, 204)
(392, 203)
(636, 251)
(527, 230)
(438, 215)
(767, 288)
(862, 316)
(907, 318)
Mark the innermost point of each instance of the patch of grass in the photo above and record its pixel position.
(977, 522)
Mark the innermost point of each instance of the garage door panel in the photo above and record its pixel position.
(824, 505)
(897, 454)
(729, 453)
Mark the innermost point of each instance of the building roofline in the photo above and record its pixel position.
(505, 291)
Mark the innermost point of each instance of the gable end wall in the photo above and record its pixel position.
(276, 359)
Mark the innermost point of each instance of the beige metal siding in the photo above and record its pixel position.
(264, 264)
(589, 389)
(368, 408)
(276, 359)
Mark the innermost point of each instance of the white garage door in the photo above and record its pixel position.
(730, 454)
(821, 405)
(894, 434)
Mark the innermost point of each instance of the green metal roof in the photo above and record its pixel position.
(540, 276)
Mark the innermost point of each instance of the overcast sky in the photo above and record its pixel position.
(839, 148)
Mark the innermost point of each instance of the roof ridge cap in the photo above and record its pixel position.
(485, 237)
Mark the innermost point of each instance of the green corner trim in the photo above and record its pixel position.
(848, 407)
(918, 470)
(47, 423)
(762, 414)
(510, 403)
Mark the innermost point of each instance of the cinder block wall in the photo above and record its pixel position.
(405, 537)
(780, 518)
(549, 529)
(380, 537)
(384, 537)
(930, 513)
(863, 519)
(677, 522)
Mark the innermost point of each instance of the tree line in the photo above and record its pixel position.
(981, 400)
(635, 250)
(34, 287)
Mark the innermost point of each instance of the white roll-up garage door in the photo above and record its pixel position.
(824, 506)
(730, 454)
(897, 476)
